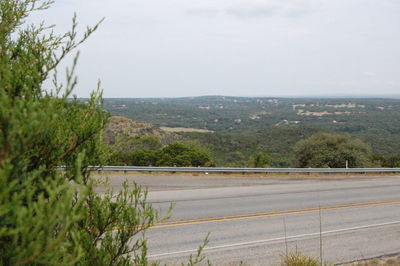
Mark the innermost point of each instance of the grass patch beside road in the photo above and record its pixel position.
(391, 260)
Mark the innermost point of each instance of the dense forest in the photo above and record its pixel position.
(235, 128)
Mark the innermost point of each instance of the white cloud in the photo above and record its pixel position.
(204, 12)
(249, 12)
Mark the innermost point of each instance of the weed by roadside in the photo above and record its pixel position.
(298, 259)
(382, 261)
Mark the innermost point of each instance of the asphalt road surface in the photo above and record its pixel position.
(256, 220)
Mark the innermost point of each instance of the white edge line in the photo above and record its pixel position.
(273, 239)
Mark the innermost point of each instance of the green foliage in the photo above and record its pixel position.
(136, 158)
(236, 159)
(114, 225)
(387, 161)
(128, 144)
(270, 125)
(332, 150)
(235, 150)
(199, 258)
(393, 161)
(299, 259)
(48, 216)
(175, 154)
(179, 154)
(260, 160)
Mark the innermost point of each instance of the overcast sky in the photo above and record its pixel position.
(172, 48)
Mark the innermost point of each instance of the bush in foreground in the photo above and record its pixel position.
(48, 216)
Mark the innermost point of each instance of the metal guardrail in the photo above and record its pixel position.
(243, 170)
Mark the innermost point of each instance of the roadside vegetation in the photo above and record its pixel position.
(332, 150)
(175, 154)
(244, 125)
(298, 259)
(320, 150)
(137, 143)
(381, 261)
(48, 216)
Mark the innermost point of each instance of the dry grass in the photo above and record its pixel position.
(298, 259)
(382, 261)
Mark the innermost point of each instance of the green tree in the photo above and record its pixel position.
(260, 160)
(48, 216)
(332, 150)
(129, 144)
(390, 161)
(180, 154)
(136, 158)
(393, 161)
(236, 159)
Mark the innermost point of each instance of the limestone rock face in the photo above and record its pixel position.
(122, 126)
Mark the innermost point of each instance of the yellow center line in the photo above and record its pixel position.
(270, 214)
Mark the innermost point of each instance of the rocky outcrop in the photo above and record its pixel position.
(122, 126)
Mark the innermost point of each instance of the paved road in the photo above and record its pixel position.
(246, 217)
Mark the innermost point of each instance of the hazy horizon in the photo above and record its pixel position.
(182, 48)
(321, 96)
